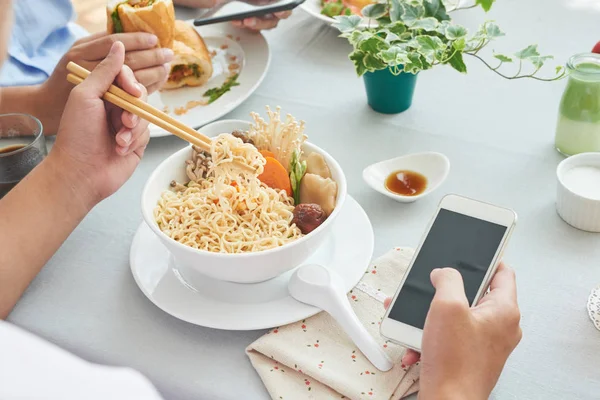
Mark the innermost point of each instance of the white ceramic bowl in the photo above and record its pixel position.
(240, 268)
(434, 166)
(577, 199)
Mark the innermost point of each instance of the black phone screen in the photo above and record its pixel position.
(455, 240)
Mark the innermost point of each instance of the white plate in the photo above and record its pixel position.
(234, 306)
(313, 7)
(251, 52)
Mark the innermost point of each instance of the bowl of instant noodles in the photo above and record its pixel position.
(245, 225)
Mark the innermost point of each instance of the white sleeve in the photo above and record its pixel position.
(31, 368)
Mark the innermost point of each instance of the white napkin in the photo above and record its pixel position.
(315, 359)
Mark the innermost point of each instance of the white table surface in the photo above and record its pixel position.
(498, 136)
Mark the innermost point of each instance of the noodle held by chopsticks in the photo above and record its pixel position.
(230, 211)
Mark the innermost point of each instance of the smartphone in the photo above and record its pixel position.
(464, 234)
(239, 10)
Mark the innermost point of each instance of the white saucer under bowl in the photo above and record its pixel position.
(219, 304)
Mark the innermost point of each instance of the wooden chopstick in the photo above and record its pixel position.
(134, 105)
(78, 70)
(125, 105)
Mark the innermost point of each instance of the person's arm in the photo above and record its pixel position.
(47, 101)
(88, 162)
(32, 100)
(34, 225)
(465, 349)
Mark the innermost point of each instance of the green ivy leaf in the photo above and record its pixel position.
(457, 62)
(374, 11)
(436, 9)
(397, 28)
(359, 36)
(428, 24)
(538, 61)
(358, 57)
(395, 55)
(389, 36)
(485, 4)
(347, 23)
(396, 11)
(373, 64)
(373, 45)
(429, 44)
(492, 30)
(503, 58)
(528, 52)
(459, 44)
(559, 69)
(442, 27)
(454, 32)
(412, 13)
(414, 63)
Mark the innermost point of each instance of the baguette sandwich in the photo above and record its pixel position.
(192, 64)
(152, 16)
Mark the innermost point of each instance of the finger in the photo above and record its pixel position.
(90, 38)
(126, 136)
(259, 24)
(283, 14)
(410, 357)
(148, 58)
(98, 82)
(129, 120)
(154, 87)
(387, 302)
(238, 24)
(126, 81)
(504, 283)
(153, 76)
(139, 144)
(449, 286)
(123, 139)
(98, 48)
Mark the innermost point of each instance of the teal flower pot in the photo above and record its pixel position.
(388, 93)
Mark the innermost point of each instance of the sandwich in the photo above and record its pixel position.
(192, 65)
(152, 16)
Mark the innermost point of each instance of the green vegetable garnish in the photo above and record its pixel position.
(196, 70)
(297, 171)
(214, 93)
(116, 19)
(333, 9)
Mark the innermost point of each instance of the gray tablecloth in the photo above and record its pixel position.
(498, 136)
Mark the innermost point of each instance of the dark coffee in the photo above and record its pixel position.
(14, 167)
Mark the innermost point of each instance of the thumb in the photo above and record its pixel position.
(105, 73)
(449, 286)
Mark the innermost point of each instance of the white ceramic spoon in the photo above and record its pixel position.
(434, 166)
(318, 286)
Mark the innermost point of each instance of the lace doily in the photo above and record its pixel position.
(593, 306)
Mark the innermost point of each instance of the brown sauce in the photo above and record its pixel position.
(406, 183)
(11, 148)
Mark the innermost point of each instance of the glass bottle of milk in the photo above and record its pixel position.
(578, 128)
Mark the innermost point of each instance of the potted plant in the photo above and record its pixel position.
(404, 37)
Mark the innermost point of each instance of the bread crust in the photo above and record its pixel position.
(189, 48)
(158, 19)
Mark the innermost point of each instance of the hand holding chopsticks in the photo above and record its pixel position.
(127, 102)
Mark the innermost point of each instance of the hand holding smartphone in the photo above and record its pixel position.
(467, 235)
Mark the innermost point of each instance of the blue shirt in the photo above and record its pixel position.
(42, 33)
